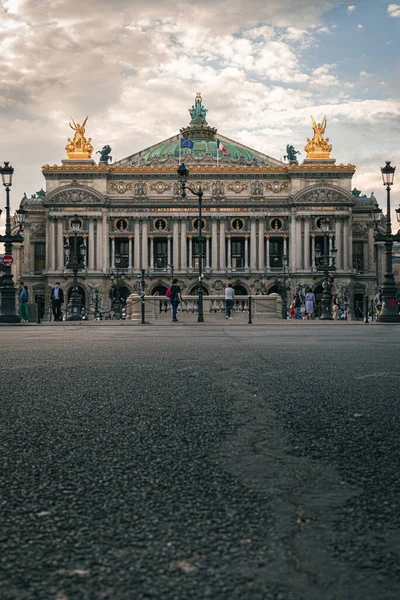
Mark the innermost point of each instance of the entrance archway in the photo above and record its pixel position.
(195, 290)
(82, 294)
(240, 290)
(159, 290)
(273, 290)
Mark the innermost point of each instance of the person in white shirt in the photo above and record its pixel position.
(228, 301)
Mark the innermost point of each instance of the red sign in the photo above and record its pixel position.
(7, 260)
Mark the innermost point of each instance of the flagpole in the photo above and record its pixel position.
(179, 141)
(217, 155)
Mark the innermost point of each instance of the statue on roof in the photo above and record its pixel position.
(79, 147)
(318, 146)
(291, 154)
(198, 112)
(105, 154)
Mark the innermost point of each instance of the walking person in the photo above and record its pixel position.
(292, 309)
(229, 295)
(57, 299)
(310, 304)
(23, 303)
(335, 308)
(175, 298)
(297, 307)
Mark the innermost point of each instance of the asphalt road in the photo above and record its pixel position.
(223, 462)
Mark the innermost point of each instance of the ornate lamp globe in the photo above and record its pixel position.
(7, 174)
(388, 173)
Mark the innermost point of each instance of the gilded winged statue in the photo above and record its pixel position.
(318, 146)
(79, 145)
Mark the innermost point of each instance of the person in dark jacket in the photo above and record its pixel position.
(175, 298)
(57, 299)
(297, 307)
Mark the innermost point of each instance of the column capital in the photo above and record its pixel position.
(228, 237)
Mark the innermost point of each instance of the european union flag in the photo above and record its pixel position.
(186, 143)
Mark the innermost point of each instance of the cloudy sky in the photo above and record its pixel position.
(262, 66)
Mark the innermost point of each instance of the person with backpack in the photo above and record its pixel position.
(175, 297)
(23, 303)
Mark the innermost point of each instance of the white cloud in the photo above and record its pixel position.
(394, 10)
(351, 8)
(359, 26)
(324, 30)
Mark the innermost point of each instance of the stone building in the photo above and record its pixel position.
(256, 209)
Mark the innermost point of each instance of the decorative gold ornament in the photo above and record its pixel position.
(160, 187)
(121, 187)
(276, 186)
(318, 147)
(79, 148)
(237, 187)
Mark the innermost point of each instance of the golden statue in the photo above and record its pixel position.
(79, 148)
(318, 147)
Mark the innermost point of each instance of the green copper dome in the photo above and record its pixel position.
(199, 150)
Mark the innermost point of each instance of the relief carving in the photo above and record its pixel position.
(256, 188)
(160, 187)
(277, 186)
(237, 187)
(217, 188)
(120, 186)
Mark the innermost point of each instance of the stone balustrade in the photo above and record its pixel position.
(156, 307)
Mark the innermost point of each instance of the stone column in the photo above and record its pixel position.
(222, 246)
(330, 243)
(113, 252)
(175, 247)
(190, 252)
(371, 252)
(312, 252)
(85, 261)
(293, 249)
(136, 251)
(183, 264)
(229, 246)
(106, 243)
(346, 245)
(268, 265)
(91, 245)
(60, 245)
(338, 243)
(130, 252)
(99, 240)
(169, 251)
(52, 249)
(145, 246)
(246, 251)
(261, 252)
(151, 252)
(298, 244)
(307, 244)
(214, 253)
(208, 252)
(350, 244)
(253, 245)
(27, 250)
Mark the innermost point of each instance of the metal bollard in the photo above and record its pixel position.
(143, 303)
(250, 321)
(366, 309)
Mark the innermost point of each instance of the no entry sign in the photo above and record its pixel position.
(7, 260)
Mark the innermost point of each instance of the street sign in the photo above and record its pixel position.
(7, 260)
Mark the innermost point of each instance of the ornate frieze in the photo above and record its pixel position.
(277, 186)
(256, 188)
(37, 230)
(360, 230)
(323, 196)
(160, 187)
(140, 188)
(238, 187)
(218, 188)
(73, 196)
(120, 186)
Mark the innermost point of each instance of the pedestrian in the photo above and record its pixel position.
(23, 303)
(378, 302)
(310, 304)
(335, 308)
(57, 299)
(292, 309)
(175, 298)
(297, 307)
(345, 315)
(229, 295)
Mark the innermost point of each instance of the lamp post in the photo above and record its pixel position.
(283, 288)
(183, 174)
(75, 265)
(8, 312)
(389, 312)
(327, 264)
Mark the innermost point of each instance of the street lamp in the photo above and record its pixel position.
(75, 264)
(8, 312)
(326, 263)
(389, 312)
(117, 297)
(183, 174)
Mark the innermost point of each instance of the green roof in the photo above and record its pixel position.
(199, 150)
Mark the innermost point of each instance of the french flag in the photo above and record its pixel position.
(220, 146)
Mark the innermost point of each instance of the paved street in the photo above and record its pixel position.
(224, 462)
